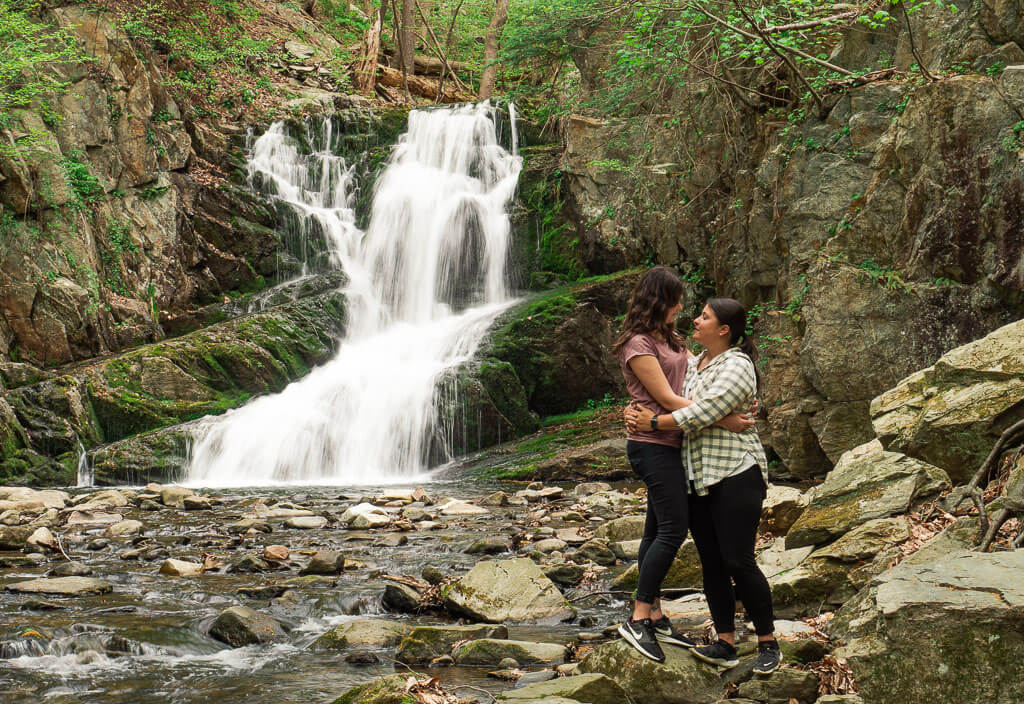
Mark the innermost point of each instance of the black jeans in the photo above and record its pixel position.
(667, 509)
(724, 525)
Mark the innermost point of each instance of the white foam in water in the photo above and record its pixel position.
(90, 663)
(427, 279)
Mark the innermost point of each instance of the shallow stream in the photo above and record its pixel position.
(147, 640)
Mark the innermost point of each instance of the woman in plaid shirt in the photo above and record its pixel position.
(654, 362)
(727, 479)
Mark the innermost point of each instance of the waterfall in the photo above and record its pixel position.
(85, 476)
(426, 280)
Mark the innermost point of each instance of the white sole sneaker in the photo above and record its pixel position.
(628, 636)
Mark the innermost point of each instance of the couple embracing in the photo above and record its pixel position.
(693, 444)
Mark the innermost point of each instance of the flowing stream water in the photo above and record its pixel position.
(426, 280)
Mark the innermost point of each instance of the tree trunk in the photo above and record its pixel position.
(366, 67)
(408, 36)
(490, 72)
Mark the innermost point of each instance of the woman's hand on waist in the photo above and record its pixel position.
(637, 417)
(736, 422)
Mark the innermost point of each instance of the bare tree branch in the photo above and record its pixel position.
(789, 62)
(810, 24)
(913, 46)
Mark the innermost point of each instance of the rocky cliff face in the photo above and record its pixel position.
(126, 220)
(97, 236)
(866, 242)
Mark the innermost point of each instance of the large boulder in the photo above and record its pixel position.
(22, 498)
(557, 344)
(781, 507)
(491, 651)
(832, 574)
(14, 537)
(946, 631)
(681, 679)
(428, 642)
(507, 590)
(867, 483)
(951, 413)
(785, 686)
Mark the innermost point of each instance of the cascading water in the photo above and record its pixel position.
(426, 280)
(85, 475)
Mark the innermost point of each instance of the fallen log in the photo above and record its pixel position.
(431, 65)
(423, 86)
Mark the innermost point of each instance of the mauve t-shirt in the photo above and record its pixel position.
(672, 363)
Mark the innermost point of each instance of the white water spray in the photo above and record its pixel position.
(85, 475)
(426, 281)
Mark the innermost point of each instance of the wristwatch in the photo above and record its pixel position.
(654, 422)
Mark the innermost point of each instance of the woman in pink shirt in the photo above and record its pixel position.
(654, 360)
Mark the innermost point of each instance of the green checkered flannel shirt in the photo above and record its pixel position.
(727, 384)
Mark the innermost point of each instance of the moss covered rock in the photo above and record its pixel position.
(685, 571)
(681, 679)
(428, 642)
(160, 385)
(363, 633)
(593, 688)
(491, 651)
(558, 343)
(383, 690)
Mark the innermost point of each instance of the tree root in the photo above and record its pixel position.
(1012, 504)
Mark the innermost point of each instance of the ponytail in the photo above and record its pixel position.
(731, 312)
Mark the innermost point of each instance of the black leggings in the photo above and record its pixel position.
(724, 525)
(667, 523)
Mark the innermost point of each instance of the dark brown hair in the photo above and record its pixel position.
(731, 312)
(654, 294)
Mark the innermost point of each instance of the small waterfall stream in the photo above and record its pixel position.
(426, 280)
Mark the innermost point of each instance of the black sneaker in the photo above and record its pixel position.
(769, 657)
(640, 634)
(718, 653)
(667, 633)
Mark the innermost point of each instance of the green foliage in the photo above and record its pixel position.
(344, 24)
(543, 198)
(607, 401)
(29, 48)
(1015, 142)
(996, 69)
(119, 244)
(85, 187)
(889, 279)
(796, 303)
(659, 47)
(207, 46)
(152, 192)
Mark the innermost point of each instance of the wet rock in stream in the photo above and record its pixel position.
(63, 586)
(241, 625)
(507, 590)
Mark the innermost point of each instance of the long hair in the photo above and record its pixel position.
(654, 294)
(731, 312)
